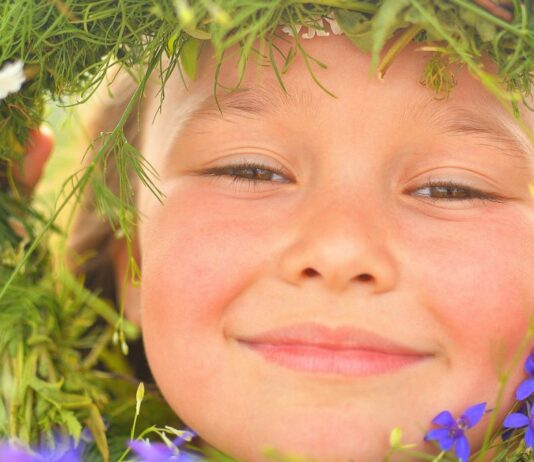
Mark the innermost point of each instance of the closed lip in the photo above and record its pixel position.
(342, 338)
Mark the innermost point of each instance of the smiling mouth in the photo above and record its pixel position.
(342, 351)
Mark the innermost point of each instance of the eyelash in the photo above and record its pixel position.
(448, 185)
(470, 194)
(224, 171)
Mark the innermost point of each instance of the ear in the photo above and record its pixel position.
(127, 292)
(38, 149)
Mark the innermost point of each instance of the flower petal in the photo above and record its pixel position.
(516, 420)
(11, 78)
(462, 449)
(437, 434)
(71, 455)
(525, 389)
(14, 454)
(444, 438)
(185, 436)
(529, 365)
(473, 414)
(529, 438)
(151, 452)
(445, 419)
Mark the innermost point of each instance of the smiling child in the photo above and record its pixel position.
(323, 269)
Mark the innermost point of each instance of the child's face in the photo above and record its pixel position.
(340, 230)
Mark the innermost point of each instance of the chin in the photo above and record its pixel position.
(319, 440)
(322, 449)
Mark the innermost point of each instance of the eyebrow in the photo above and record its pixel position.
(488, 126)
(251, 103)
(452, 119)
(196, 109)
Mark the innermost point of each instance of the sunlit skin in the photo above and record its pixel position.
(348, 234)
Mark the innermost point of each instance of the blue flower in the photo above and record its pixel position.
(518, 420)
(529, 364)
(509, 431)
(452, 431)
(15, 453)
(64, 450)
(526, 388)
(160, 452)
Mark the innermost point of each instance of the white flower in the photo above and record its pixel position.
(289, 31)
(312, 32)
(11, 78)
(336, 30)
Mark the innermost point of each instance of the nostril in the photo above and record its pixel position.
(310, 272)
(365, 277)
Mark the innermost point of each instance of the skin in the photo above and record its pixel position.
(38, 151)
(349, 235)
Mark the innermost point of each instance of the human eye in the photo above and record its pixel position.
(248, 173)
(447, 190)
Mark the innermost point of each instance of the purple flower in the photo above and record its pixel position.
(518, 420)
(63, 450)
(526, 388)
(452, 431)
(529, 364)
(160, 452)
(14, 453)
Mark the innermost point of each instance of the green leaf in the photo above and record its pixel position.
(385, 23)
(61, 400)
(197, 33)
(189, 57)
(96, 425)
(357, 27)
(485, 29)
(172, 41)
(72, 423)
(3, 418)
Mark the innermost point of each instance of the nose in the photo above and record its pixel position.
(341, 249)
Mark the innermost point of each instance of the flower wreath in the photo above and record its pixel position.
(54, 400)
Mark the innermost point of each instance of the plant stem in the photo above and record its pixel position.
(396, 48)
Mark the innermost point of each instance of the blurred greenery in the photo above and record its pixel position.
(70, 144)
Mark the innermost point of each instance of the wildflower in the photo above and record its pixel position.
(64, 451)
(452, 431)
(526, 388)
(15, 453)
(11, 78)
(518, 420)
(334, 26)
(312, 31)
(161, 452)
(529, 364)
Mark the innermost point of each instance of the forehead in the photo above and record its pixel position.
(469, 110)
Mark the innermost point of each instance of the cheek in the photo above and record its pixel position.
(478, 280)
(200, 252)
(203, 251)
